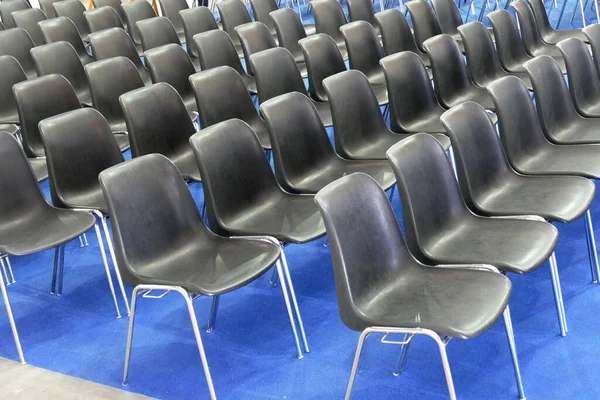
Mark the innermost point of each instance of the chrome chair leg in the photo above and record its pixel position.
(287, 275)
(273, 280)
(130, 333)
(106, 269)
(6, 280)
(213, 314)
(83, 242)
(403, 356)
(11, 319)
(589, 230)
(10, 270)
(359, 346)
(57, 272)
(558, 296)
(513, 351)
(288, 306)
(111, 250)
(582, 9)
(449, 382)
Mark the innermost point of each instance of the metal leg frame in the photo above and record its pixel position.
(11, 319)
(57, 271)
(513, 351)
(560, 307)
(10, 271)
(111, 250)
(593, 254)
(83, 242)
(213, 314)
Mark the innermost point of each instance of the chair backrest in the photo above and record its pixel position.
(509, 45)
(28, 20)
(157, 120)
(215, 49)
(429, 193)
(17, 43)
(262, 12)
(541, 16)
(73, 9)
(38, 99)
(254, 37)
(532, 38)
(78, 146)
(102, 18)
(114, 4)
(329, 18)
(361, 10)
(584, 82)
(395, 32)
(482, 59)
(480, 158)
(323, 59)
(171, 64)
(8, 7)
(215, 104)
(135, 11)
(232, 188)
(449, 70)
(196, 20)
(364, 49)
(355, 111)
(233, 13)
(424, 21)
(289, 30)
(176, 221)
(171, 9)
(155, 32)
(62, 29)
(276, 73)
(409, 88)
(366, 242)
(593, 34)
(47, 6)
(448, 15)
(299, 141)
(109, 79)
(12, 73)
(114, 42)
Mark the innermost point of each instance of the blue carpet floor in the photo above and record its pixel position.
(251, 353)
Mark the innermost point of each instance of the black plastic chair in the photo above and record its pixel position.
(509, 45)
(360, 131)
(157, 122)
(482, 59)
(450, 75)
(254, 37)
(155, 32)
(440, 228)
(448, 16)
(47, 6)
(217, 105)
(364, 53)
(382, 288)
(593, 34)
(549, 34)
(108, 80)
(289, 32)
(362, 10)
(115, 5)
(584, 84)
(62, 29)
(262, 9)
(531, 36)
(74, 10)
(171, 10)
(323, 59)
(424, 22)
(171, 64)
(12, 73)
(559, 119)
(215, 49)
(102, 18)
(136, 11)
(196, 20)
(28, 20)
(329, 18)
(8, 7)
(61, 58)
(17, 43)
(276, 73)
(303, 157)
(115, 42)
(233, 13)
(396, 35)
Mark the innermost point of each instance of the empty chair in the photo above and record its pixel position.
(156, 32)
(196, 20)
(451, 79)
(262, 9)
(449, 17)
(28, 19)
(482, 59)
(289, 32)
(509, 45)
(217, 105)
(254, 37)
(17, 43)
(115, 5)
(62, 29)
(136, 11)
(61, 58)
(396, 35)
(74, 9)
(424, 22)
(115, 42)
(215, 49)
(102, 18)
(7, 8)
(362, 10)
(233, 13)
(364, 53)
(12, 73)
(171, 10)
(47, 6)
(360, 131)
(593, 34)
(376, 275)
(323, 59)
(329, 18)
(531, 36)
(549, 34)
(109, 79)
(157, 122)
(276, 73)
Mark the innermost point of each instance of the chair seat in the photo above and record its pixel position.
(92, 198)
(553, 52)
(555, 198)
(238, 49)
(302, 68)
(260, 130)
(556, 36)
(310, 29)
(47, 229)
(580, 131)
(250, 83)
(39, 167)
(211, 267)
(185, 162)
(511, 245)
(524, 76)
(475, 94)
(324, 112)
(590, 110)
(9, 128)
(376, 149)
(9, 118)
(381, 94)
(84, 96)
(122, 141)
(582, 160)
(452, 302)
